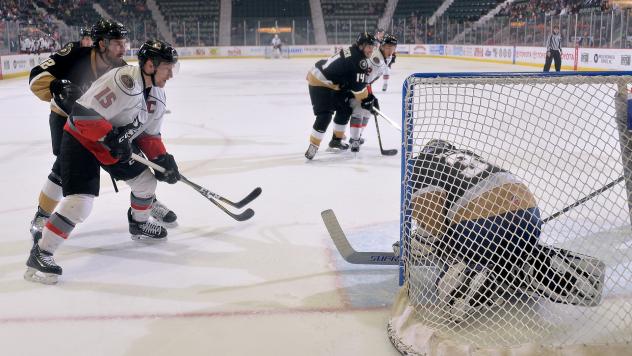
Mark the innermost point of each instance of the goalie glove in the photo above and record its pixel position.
(171, 174)
(65, 93)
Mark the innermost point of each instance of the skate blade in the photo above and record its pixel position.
(335, 150)
(147, 238)
(33, 275)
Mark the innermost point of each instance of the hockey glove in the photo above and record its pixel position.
(65, 93)
(369, 103)
(119, 142)
(171, 174)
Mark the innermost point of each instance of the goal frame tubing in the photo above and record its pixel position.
(407, 137)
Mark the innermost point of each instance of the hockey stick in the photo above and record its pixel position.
(391, 152)
(347, 252)
(391, 122)
(584, 199)
(247, 214)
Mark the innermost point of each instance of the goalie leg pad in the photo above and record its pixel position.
(463, 290)
(565, 277)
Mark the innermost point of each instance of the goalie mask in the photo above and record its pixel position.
(437, 146)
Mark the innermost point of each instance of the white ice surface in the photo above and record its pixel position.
(271, 286)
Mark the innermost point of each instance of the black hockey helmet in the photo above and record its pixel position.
(365, 38)
(108, 30)
(436, 146)
(158, 51)
(84, 32)
(389, 40)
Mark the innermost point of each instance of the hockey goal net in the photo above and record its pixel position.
(566, 138)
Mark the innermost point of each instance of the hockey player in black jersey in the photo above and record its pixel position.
(85, 38)
(484, 224)
(60, 80)
(330, 81)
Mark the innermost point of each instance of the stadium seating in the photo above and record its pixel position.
(184, 17)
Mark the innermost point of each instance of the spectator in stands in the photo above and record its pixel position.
(26, 45)
(585, 40)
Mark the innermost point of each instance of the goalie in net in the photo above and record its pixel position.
(276, 50)
(482, 226)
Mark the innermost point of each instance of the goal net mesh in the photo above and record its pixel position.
(563, 138)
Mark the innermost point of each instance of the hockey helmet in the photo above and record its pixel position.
(436, 146)
(158, 51)
(365, 38)
(84, 32)
(389, 40)
(108, 30)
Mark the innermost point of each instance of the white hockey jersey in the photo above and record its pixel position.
(119, 99)
(378, 66)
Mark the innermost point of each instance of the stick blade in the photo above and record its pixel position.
(245, 215)
(347, 252)
(250, 197)
(392, 152)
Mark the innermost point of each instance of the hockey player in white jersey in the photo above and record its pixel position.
(380, 34)
(484, 225)
(379, 63)
(121, 113)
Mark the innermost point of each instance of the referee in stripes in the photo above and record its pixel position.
(554, 50)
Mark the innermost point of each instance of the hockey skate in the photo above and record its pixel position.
(37, 224)
(311, 151)
(355, 145)
(163, 215)
(41, 267)
(336, 144)
(463, 290)
(148, 230)
(384, 87)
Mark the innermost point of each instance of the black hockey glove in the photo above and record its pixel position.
(119, 142)
(171, 174)
(369, 103)
(65, 93)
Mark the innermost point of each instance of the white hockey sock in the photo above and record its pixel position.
(355, 129)
(57, 229)
(50, 196)
(339, 130)
(141, 207)
(316, 137)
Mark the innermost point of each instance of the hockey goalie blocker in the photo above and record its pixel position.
(483, 225)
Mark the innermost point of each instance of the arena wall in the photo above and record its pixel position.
(572, 58)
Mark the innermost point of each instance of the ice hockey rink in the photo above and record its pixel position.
(273, 285)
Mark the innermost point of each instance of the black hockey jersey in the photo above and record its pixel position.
(346, 70)
(76, 64)
(453, 170)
